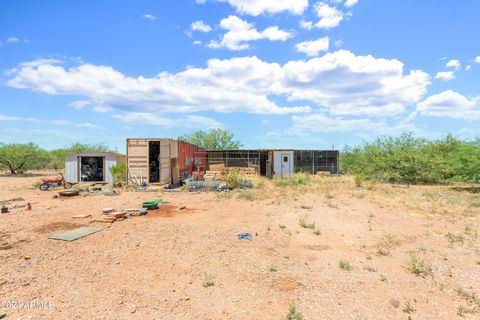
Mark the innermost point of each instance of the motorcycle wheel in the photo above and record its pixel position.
(44, 186)
(67, 185)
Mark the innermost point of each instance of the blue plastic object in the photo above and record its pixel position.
(246, 236)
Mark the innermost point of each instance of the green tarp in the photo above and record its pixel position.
(75, 234)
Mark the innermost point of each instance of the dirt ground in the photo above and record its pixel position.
(326, 249)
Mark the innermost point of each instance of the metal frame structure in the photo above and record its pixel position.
(310, 161)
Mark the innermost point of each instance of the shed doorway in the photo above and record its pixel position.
(154, 161)
(91, 169)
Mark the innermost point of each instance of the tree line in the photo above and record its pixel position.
(17, 158)
(412, 160)
(402, 159)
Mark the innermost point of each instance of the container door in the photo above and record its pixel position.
(165, 156)
(71, 169)
(137, 151)
(285, 165)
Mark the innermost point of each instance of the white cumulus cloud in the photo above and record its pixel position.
(258, 7)
(338, 83)
(450, 104)
(350, 3)
(477, 59)
(445, 75)
(200, 26)
(240, 32)
(329, 17)
(453, 64)
(149, 16)
(313, 48)
(13, 39)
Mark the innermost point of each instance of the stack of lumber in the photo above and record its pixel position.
(212, 175)
(111, 215)
(216, 166)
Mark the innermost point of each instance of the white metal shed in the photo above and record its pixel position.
(91, 167)
(282, 164)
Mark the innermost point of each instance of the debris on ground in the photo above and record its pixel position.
(137, 212)
(82, 216)
(2, 315)
(75, 234)
(13, 200)
(246, 236)
(68, 193)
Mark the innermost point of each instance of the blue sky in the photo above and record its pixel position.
(277, 73)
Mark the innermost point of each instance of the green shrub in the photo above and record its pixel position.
(411, 160)
(119, 172)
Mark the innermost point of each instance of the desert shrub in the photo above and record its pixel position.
(234, 177)
(208, 280)
(419, 267)
(358, 179)
(407, 159)
(119, 172)
(344, 265)
(293, 313)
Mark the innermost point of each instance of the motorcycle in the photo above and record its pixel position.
(56, 182)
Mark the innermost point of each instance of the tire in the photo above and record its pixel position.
(44, 186)
(67, 185)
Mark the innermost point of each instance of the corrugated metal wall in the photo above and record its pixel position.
(71, 168)
(109, 162)
(137, 152)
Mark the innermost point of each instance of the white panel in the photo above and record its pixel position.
(107, 164)
(165, 170)
(278, 163)
(71, 169)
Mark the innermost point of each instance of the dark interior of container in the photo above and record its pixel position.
(91, 169)
(154, 161)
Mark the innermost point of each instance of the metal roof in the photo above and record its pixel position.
(98, 154)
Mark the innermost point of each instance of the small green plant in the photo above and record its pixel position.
(233, 178)
(344, 265)
(386, 243)
(418, 266)
(328, 196)
(208, 280)
(303, 206)
(293, 313)
(395, 303)
(472, 300)
(358, 180)
(408, 308)
(317, 232)
(370, 269)
(282, 226)
(455, 238)
(383, 278)
(273, 269)
(119, 172)
(305, 224)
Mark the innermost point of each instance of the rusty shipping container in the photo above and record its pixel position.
(163, 161)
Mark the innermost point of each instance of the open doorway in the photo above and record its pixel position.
(263, 163)
(154, 161)
(91, 169)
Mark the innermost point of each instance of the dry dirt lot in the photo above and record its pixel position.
(329, 248)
